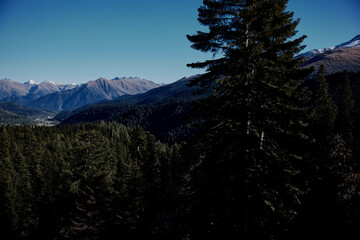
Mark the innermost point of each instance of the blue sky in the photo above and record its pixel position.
(70, 41)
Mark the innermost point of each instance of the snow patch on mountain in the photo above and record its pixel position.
(51, 82)
(355, 42)
(31, 82)
(315, 52)
(350, 44)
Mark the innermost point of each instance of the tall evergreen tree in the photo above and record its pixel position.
(245, 179)
(6, 181)
(325, 108)
(345, 104)
(91, 186)
(24, 219)
(323, 124)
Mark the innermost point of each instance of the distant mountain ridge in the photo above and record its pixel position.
(176, 91)
(337, 60)
(162, 110)
(345, 56)
(354, 42)
(12, 91)
(57, 97)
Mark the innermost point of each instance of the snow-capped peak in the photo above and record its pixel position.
(316, 52)
(355, 42)
(31, 82)
(352, 43)
(51, 82)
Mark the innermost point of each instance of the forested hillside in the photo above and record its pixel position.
(270, 150)
(169, 121)
(15, 114)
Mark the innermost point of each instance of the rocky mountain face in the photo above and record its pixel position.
(345, 56)
(54, 97)
(12, 89)
(337, 60)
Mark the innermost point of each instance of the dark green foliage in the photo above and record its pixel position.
(167, 121)
(6, 182)
(326, 110)
(82, 182)
(246, 180)
(24, 111)
(14, 119)
(345, 105)
(334, 82)
(96, 113)
(330, 208)
(325, 114)
(24, 219)
(91, 167)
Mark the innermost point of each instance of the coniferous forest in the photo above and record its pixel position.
(270, 154)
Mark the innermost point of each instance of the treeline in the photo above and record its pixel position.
(93, 181)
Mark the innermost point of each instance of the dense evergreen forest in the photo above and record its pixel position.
(96, 181)
(262, 157)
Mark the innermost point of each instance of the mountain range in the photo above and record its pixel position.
(30, 90)
(345, 56)
(54, 97)
(176, 91)
(130, 99)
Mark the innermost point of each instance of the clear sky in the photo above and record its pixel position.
(74, 41)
